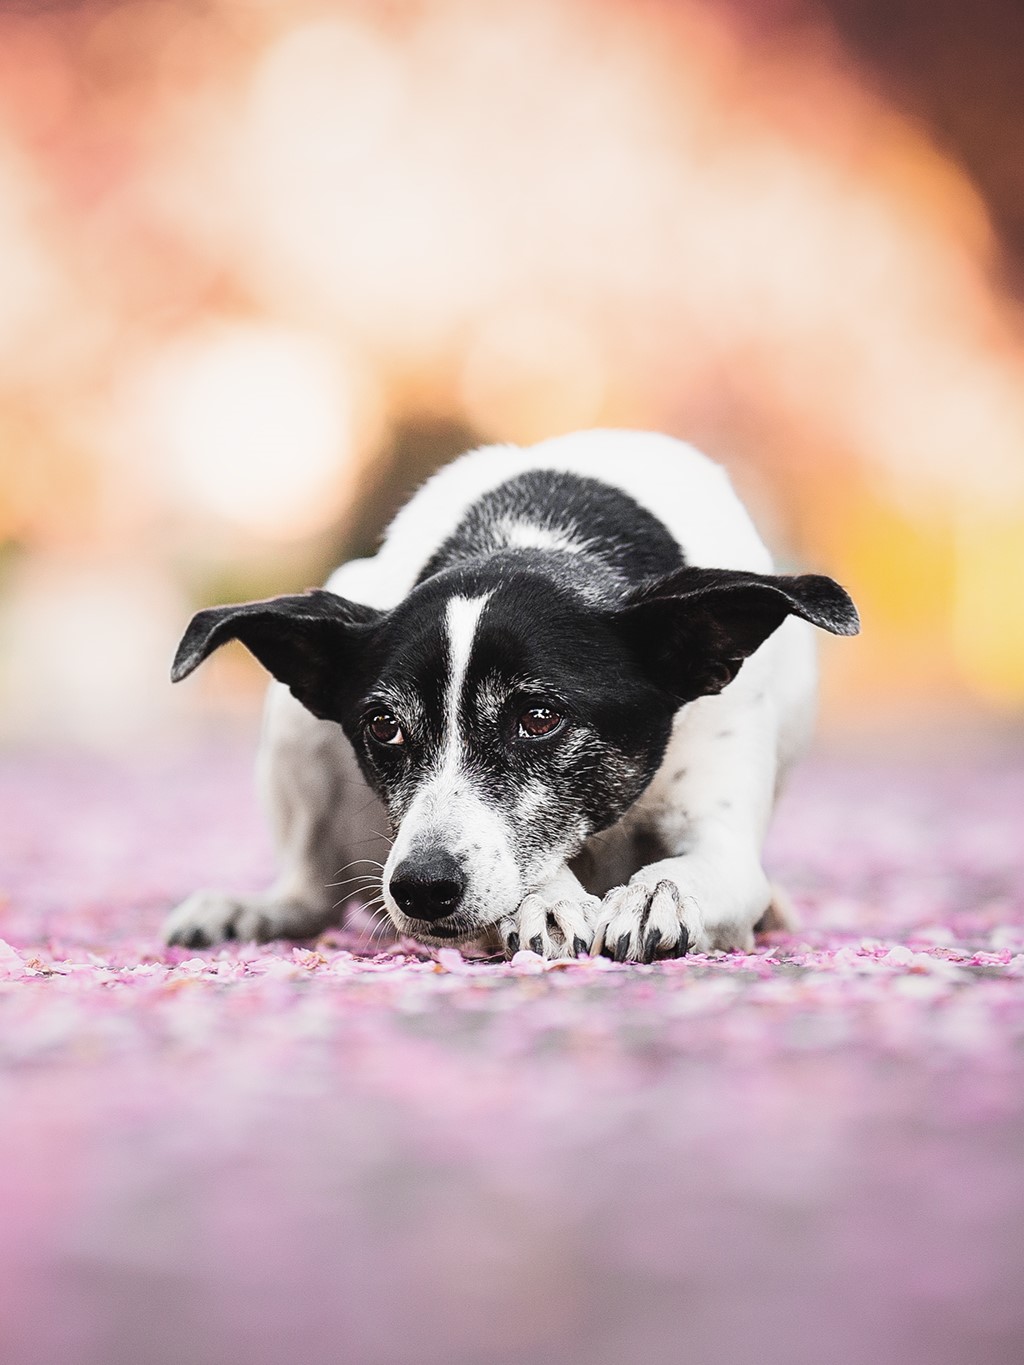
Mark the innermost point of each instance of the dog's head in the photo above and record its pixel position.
(501, 715)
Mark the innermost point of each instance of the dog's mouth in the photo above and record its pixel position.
(441, 933)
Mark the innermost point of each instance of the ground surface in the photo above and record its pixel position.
(812, 1154)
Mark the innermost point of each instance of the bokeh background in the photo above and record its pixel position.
(265, 263)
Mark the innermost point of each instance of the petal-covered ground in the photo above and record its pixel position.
(318, 1154)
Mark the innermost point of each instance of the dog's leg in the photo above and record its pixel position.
(556, 920)
(327, 828)
(709, 806)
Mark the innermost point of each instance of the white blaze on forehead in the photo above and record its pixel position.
(461, 621)
(446, 810)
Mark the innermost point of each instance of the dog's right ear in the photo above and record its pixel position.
(306, 641)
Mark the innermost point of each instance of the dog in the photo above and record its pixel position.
(569, 682)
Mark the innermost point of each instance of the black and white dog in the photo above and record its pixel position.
(570, 683)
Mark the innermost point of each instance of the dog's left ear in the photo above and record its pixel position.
(693, 628)
(310, 642)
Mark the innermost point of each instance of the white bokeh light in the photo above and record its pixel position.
(254, 423)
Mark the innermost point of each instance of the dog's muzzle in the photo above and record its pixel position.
(428, 887)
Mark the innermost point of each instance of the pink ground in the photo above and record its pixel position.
(247, 1156)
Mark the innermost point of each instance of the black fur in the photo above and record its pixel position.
(620, 535)
(615, 635)
(530, 642)
(303, 641)
(695, 627)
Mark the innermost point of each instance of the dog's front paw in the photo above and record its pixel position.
(210, 917)
(639, 923)
(551, 925)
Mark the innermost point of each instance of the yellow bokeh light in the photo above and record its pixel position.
(988, 634)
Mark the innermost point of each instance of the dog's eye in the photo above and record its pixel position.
(538, 722)
(385, 729)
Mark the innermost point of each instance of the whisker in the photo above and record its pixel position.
(356, 877)
(358, 893)
(374, 862)
(389, 839)
(368, 877)
(380, 920)
(380, 929)
(363, 881)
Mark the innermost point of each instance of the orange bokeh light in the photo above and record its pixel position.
(238, 242)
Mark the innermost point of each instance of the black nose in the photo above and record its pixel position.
(428, 886)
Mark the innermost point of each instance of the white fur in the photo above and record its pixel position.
(461, 620)
(522, 535)
(447, 810)
(690, 495)
(711, 799)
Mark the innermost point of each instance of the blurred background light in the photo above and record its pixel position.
(264, 264)
(254, 425)
(531, 373)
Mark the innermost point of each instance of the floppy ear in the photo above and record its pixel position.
(694, 628)
(304, 641)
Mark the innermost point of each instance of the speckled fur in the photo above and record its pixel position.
(612, 576)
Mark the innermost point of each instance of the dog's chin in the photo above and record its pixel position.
(446, 933)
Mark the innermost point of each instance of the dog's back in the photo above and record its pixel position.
(687, 497)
